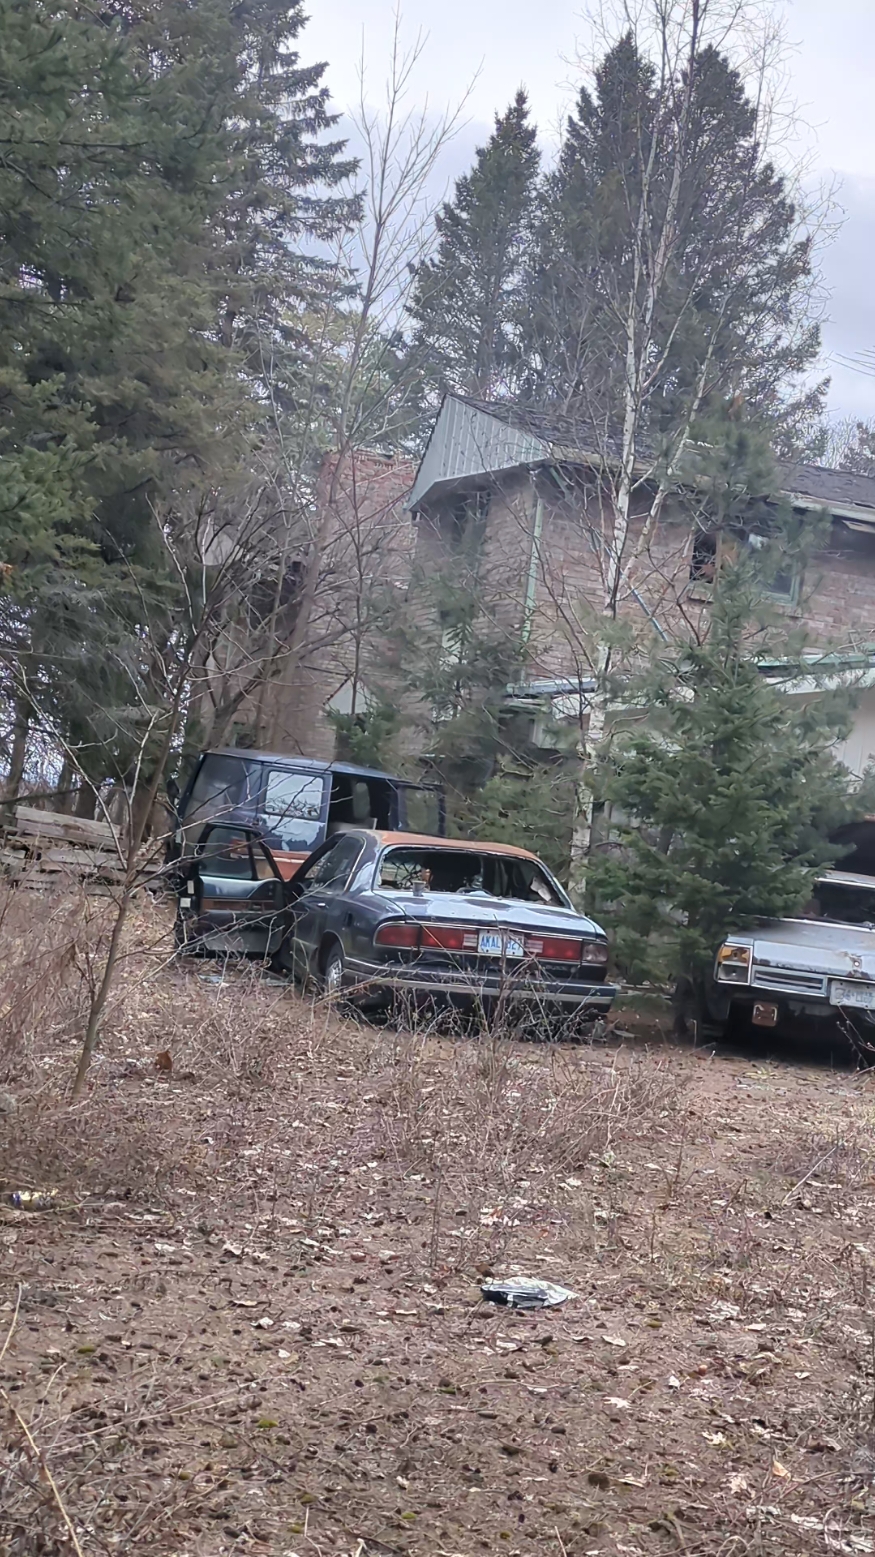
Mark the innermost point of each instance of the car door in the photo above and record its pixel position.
(317, 888)
(234, 895)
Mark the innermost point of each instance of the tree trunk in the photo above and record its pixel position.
(86, 800)
(584, 794)
(63, 792)
(18, 753)
(100, 999)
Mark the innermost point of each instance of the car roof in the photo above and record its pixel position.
(847, 878)
(312, 764)
(422, 840)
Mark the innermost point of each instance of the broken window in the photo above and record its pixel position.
(782, 582)
(467, 523)
(703, 563)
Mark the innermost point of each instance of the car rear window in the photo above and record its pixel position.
(468, 873)
(843, 902)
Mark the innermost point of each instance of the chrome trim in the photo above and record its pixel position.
(788, 981)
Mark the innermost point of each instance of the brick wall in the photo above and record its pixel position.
(367, 540)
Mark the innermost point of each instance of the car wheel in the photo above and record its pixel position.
(332, 971)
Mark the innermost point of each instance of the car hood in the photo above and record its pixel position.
(817, 945)
(480, 909)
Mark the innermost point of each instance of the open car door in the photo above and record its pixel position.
(233, 896)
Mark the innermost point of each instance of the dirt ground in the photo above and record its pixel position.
(252, 1321)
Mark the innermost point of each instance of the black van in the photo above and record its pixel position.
(294, 803)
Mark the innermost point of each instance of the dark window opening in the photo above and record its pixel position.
(468, 522)
(703, 563)
(842, 903)
(263, 599)
(360, 802)
(228, 852)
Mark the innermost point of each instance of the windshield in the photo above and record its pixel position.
(222, 785)
(468, 873)
(843, 902)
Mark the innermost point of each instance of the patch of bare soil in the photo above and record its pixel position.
(252, 1323)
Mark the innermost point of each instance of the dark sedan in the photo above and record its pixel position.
(377, 914)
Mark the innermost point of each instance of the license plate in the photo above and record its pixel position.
(493, 944)
(843, 994)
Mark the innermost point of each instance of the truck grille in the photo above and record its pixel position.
(789, 981)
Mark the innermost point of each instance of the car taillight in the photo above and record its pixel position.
(450, 937)
(398, 933)
(595, 951)
(553, 948)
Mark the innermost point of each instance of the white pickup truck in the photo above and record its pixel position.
(814, 969)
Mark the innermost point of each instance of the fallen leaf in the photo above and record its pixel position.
(621, 1405)
(673, 1382)
(264, 1323)
(614, 1340)
(779, 1470)
(714, 1438)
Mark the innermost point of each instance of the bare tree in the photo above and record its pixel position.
(642, 303)
(358, 393)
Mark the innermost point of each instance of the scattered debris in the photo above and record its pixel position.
(34, 1199)
(525, 1292)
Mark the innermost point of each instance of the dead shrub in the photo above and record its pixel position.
(112, 1144)
(48, 948)
(501, 1109)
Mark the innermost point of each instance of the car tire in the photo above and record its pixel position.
(333, 967)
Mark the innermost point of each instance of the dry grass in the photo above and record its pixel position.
(252, 1325)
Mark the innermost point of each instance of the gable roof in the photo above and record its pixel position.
(475, 439)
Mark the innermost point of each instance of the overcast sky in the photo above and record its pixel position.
(508, 43)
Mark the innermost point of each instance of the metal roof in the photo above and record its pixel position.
(477, 438)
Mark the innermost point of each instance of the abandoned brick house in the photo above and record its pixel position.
(525, 493)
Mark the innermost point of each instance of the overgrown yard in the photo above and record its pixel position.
(251, 1323)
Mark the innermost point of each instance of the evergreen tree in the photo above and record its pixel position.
(733, 296)
(158, 222)
(724, 801)
(467, 298)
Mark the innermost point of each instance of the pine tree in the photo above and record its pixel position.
(466, 303)
(733, 294)
(725, 799)
(158, 223)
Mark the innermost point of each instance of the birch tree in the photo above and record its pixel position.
(685, 286)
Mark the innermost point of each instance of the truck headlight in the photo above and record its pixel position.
(733, 964)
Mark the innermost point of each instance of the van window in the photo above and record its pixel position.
(222, 784)
(420, 811)
(291, 809)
